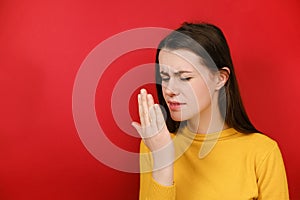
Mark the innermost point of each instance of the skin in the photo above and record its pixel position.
(191, 92)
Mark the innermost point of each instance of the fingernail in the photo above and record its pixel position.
(143, 90)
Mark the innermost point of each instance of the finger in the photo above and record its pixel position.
(160, 121)
(138, 128)
(152, 116)
(150, 100)
(145, 107)
(141, 112)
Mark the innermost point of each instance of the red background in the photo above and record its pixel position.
(43, 44)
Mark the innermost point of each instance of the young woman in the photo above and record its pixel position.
(201, 143)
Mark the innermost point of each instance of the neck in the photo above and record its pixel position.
(209, 120)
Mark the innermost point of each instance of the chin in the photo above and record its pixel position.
(178, 117)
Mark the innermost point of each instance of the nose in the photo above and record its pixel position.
(171, 88)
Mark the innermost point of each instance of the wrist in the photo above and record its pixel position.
(164, 157)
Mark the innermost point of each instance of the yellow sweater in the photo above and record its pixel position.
(239, 167)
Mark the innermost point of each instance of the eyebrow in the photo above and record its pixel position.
(176, 73)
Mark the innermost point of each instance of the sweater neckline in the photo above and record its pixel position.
(221, 135)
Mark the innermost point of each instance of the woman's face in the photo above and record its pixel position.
(187, 84)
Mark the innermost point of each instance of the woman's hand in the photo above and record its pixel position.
(153, 128)
(157, 138)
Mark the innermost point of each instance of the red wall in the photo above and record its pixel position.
(43, 44)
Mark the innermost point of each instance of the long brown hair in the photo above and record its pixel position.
(207, 41)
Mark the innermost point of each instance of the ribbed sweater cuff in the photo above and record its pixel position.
(161, 192)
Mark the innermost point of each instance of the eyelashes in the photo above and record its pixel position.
(166, 79)
(186, 79)
(182, 75)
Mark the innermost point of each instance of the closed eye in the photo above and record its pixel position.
(165, 78)
(186, 79)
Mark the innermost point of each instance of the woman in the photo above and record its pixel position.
(213, 151)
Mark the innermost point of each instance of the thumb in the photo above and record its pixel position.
(137, 127)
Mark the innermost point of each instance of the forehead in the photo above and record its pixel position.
(179, 60)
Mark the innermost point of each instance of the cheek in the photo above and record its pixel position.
(200, 93)
(163, 89)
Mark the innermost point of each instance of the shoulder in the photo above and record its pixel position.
(259, 145)
(259, 140)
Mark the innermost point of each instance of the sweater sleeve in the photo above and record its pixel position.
(149, 188)
(271, 177)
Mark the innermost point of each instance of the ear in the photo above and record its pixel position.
(223, 77)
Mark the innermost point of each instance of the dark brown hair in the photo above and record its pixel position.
(207, 41)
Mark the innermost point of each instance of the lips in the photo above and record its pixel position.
(173, 105)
